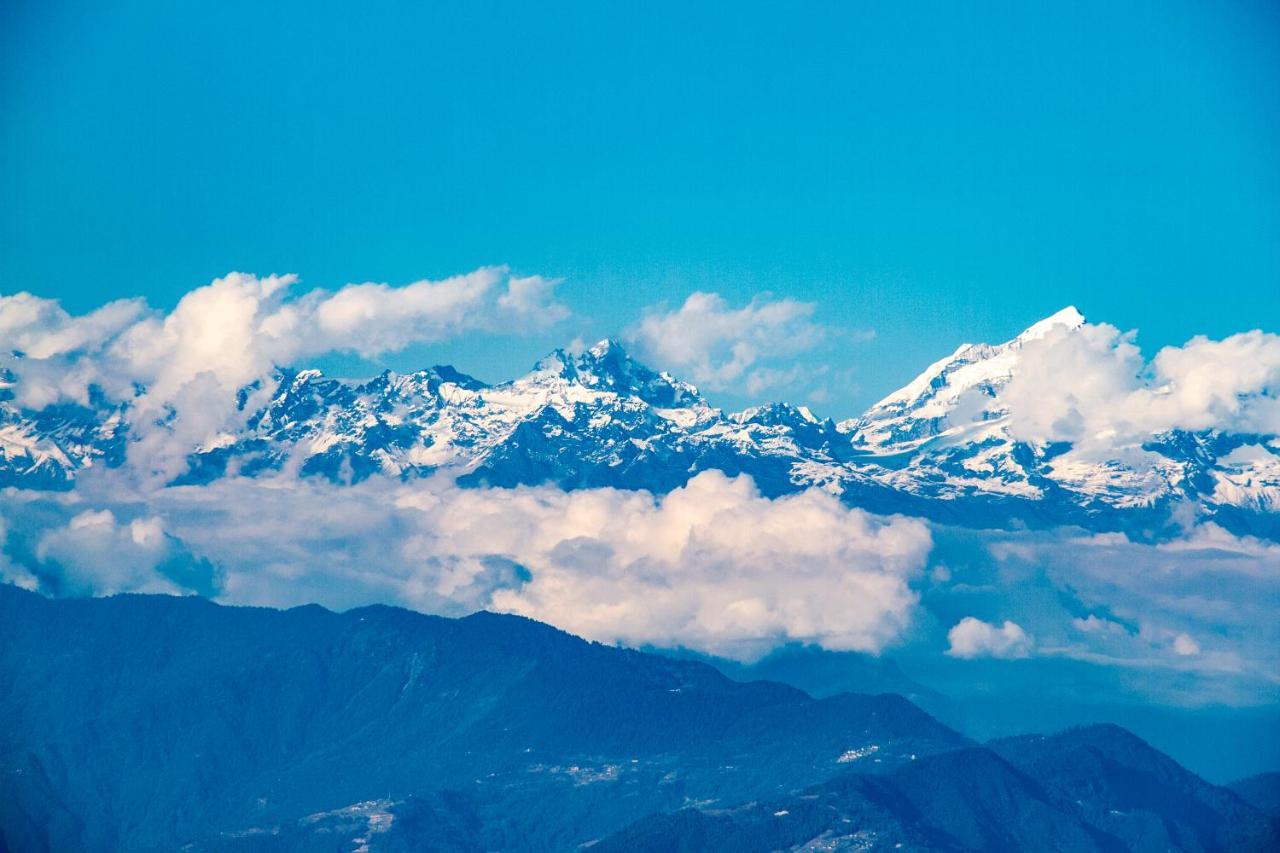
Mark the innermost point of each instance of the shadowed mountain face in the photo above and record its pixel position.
(1091, 789)
(150, 723)
(1122, 786)
(963, 800)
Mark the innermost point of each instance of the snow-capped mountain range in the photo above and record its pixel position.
(600, 418)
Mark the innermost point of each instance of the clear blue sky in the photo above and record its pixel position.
(935, 172)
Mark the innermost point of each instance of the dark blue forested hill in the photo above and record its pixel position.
(1097, 788)
(964, 800)
(142, 722)
(1118, 783)
(1261, 790)
(153, 723)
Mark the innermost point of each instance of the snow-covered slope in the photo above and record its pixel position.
(945, 436)
(591, 419)
(968, 380)
(45, 449)
(941, 446)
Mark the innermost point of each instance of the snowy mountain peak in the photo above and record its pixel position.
(1069, 317)
(953, 391)
(605, 347)
(447, 373)
(606, 356)
(301, 377)
(776, 413)
(606, 367)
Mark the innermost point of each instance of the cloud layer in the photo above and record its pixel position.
(720, 347)
(712, 566)
(181, 371)
(1092, 387)
(1189, 619)
(238, 327)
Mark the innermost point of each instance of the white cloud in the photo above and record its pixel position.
(239, 326)
(375, 318)
(41, 329)
(94, 552)
(1185, 645)
(719, 568)
(13, 571)
(1104, 598)
(223, 336)
(712, 566)
(761, 380)
(721, 347)
(1097, 626)
(1091, 386)
(973, 638)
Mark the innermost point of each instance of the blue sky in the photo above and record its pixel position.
(935, 173)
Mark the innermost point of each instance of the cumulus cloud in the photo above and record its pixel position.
(1098, 626)
(1091, 386)
(973, 638)
(721, 347)
(712, 566)
(1201, 604)
(59, 545)
(1185, 645)
(371, 319)
(14, 571)
(239, 326)
(181, 371)
(98, 553)
(717, 567)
